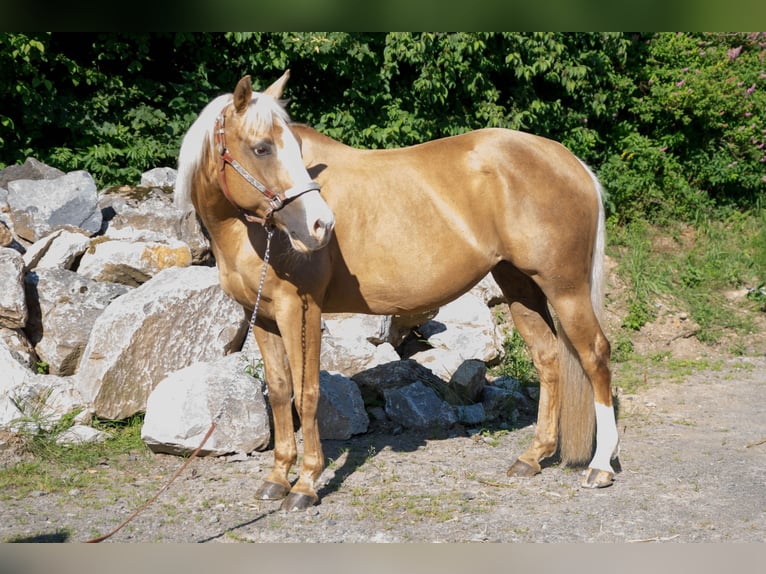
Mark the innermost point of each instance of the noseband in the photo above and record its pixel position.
(276, 200)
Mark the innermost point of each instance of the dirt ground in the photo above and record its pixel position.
(692, 469)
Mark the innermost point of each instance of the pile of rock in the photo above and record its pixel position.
(110, 306)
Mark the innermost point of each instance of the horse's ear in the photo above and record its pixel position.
(275, 90)
(243, 93)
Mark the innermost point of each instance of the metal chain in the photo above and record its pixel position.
(269, 233)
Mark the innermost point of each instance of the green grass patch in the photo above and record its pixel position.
(516, 361)
(691, 268)
(54, 467)
(641, 372)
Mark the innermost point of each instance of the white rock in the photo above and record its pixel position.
(132, 262)
(179, 317)
(81, 434)
(181, 409)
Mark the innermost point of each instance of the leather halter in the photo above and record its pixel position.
(276, 200)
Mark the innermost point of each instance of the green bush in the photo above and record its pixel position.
(673, 123)
(693, 132)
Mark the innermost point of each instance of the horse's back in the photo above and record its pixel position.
(417, 226)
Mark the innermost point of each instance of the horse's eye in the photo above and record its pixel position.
(262, 149)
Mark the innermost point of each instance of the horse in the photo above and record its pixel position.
(403, 231)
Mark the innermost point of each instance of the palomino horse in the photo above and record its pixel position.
(398, 232)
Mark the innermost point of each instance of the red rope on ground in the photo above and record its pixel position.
(163, 489)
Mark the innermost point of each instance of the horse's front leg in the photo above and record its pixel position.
(278, 378)
(302, 336)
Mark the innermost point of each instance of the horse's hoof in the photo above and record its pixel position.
(597, 478)
(299, 501)
(271, 491)
(522, 469)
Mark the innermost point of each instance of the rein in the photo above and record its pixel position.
(276, 200)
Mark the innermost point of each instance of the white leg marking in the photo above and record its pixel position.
(606, 438)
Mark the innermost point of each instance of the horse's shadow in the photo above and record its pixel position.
(361, 449)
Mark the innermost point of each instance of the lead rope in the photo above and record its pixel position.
(269, 233)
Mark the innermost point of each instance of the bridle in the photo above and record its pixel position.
(276, 200)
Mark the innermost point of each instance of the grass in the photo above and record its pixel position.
(691, 268)
(517, 361)
(57, 468)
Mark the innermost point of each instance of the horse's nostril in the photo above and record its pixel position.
(322, 227)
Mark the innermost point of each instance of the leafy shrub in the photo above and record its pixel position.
(673, 123)
(693, 132)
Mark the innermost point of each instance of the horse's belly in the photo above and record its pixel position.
(392, 286)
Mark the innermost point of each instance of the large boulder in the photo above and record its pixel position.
(374, 383)
(30, 169)
(417, 406)
(57, 250)
(41, 206)
(163, 177)
(463, 329)
(183, 405)
(6, 236)
(350, 356)
(139, 214)
(132, 262)
(18, 344)
(64, 308)
(179, 317)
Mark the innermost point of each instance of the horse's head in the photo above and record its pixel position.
(253, 138)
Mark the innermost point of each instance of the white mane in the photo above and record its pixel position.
(262, 109)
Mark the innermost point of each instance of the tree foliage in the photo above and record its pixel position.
(672, 123)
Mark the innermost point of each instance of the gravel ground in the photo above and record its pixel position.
(693, 469)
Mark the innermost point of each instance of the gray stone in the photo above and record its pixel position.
(17, 342)
(350, 356)
(441, 362)
(471, 414)
(13, 304)
(417, 406)
(41, 206)
(151, 216)
(499, 402)
(375, 382)
(375, 329)
(6, 235)
(132, 262)
(64, 306)
(340, 412)
(159, 177)
(488, 291)
(181, 409)
(30, 169)
(469, 380)
(59, 249)
(30, 402)
(466, 328)
(81, 434)
(179, 317)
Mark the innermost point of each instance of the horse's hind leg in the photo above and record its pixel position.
(277, 371)
(533, 321)
(580, 325)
